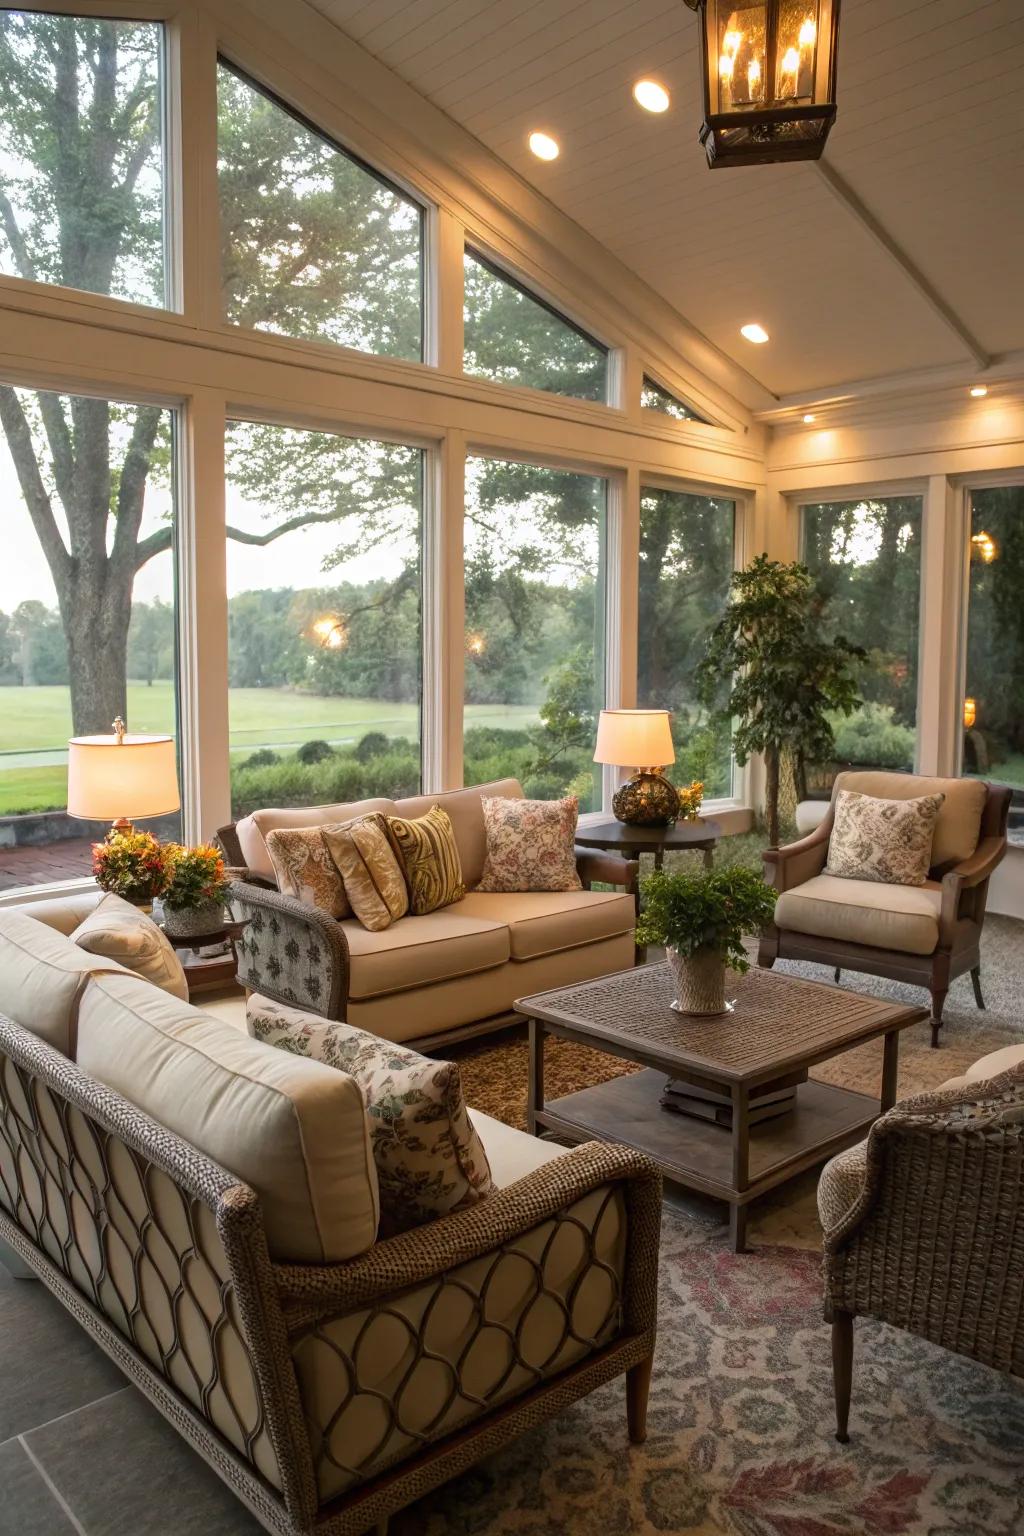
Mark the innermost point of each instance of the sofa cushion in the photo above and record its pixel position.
(62, 913)
(42, 978)
(374, 883)
(252, 830)
(294, 1130)
(542, 922)
(530, 845)
(899, 917)
(416, 951)
(119, 931)
(994, 1063)
(959, 820)
(305, 870)
(889, 841)
(465, 808)
(430, 861)
(430, 1160)
(512, 1154)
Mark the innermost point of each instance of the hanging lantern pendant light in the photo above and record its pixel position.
(769, 79)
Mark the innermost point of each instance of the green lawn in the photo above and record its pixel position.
(39, 719)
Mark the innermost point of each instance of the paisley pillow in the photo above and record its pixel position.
(889, 841)
(530, 845)
(429, 1158)
(374, 883)
(303, 868)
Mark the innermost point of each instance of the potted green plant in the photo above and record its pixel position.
(194, 897)
(702, 918)
(133, 865)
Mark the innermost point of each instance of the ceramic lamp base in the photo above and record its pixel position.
(646, 800)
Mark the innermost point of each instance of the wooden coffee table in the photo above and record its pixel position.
(779, 1028)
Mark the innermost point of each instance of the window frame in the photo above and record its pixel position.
(649, 378)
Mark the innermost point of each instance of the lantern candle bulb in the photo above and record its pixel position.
(754, 78)
(808, 32)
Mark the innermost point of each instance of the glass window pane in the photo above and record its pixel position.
(313, 243)
(87, 613)
(324, 626)
(81, 154)
(866, 555)
(653, 397)
(686, 560)
(513, 338)
(993, 709)
(535, 645)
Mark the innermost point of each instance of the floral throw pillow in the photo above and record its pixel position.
(429, 1158)
(889, 841)
(303, 868)
(530, 845)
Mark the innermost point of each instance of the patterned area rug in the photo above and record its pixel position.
(740, 1431)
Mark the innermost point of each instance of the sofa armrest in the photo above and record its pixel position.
(594, 864)
(790, 866)
(290, 951)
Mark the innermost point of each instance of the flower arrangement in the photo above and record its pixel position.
(196, 877)
(690, 798)
(131, 864)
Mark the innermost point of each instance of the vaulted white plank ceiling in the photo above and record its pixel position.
(928, 150)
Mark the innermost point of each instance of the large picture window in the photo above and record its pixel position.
(686, 561)
(993, 704)
(866, 555)
(513, 338)
(81, 158)
(324, 628)
(87, 610)
(535, 627)
(314, 244)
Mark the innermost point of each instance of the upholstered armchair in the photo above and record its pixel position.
(926, 935)
(924, 1224)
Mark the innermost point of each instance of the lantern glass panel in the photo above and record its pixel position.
(742, 33)
(796, 42)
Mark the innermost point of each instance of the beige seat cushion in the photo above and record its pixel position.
(994, 1063)
(42, 978)
(465, 808)
(512, 1154)
(252, 830)
(899, 917)
(295, 1130)
(543, 922)
(119, 931)
(416, 951)
(959, 820)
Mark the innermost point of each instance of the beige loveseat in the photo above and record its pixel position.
(206, 1206)
(426, 978)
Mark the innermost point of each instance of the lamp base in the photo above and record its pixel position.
(646, 800)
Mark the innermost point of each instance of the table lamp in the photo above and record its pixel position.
(119, 778)
(630, 738)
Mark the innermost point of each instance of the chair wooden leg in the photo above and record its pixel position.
(842, 1371)
(976, 980)
(938, 1003)
(838, 972)
(638, 1384)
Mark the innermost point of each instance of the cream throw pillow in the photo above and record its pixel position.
(889, 841)
(304, 869)
(374, 883)
(530, 845)
(430, 1159)
(118, 931)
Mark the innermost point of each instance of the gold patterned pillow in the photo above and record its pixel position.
(429, 1158)
(430, 858)
(374, 884)
(530, 845)
(889, 841)
(304, 869)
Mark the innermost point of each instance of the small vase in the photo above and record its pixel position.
(700, 982)
(194, 922)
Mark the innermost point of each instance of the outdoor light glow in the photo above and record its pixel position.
(651, 96)
(754, 332)
(984, 546)
(544, 146)
(970, 713)
(476, 643)
(332, 632)
(979, 391)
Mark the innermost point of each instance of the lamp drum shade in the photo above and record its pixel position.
(634, 738)
(133, 777)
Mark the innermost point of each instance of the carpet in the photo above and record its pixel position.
(740, 1427)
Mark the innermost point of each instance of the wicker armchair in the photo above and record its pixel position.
(924, 1227)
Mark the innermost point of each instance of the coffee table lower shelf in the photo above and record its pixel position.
(699, 1155)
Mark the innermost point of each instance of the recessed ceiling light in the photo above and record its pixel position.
(651, 96)
(808, 416)
(544, 146)
(979, 391)
(754, 332)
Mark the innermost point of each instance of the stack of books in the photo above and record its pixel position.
(766, 1103)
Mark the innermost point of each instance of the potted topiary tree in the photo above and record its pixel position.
(702, 919)
(772, 675)
(193, 899)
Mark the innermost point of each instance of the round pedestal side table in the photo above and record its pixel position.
(613, 836)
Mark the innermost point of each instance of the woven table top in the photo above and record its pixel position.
(778, 1021)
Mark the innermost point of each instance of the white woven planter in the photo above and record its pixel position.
(700, 981)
